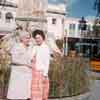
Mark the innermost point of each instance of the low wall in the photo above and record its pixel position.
(85, 96)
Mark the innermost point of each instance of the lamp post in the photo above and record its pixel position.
(82, 29)
(65, 44)
(65, 41)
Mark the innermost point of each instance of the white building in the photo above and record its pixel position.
(79, 40)
(55, 17)
(31, 14)
(55, 20)
(7, 17)
(72, 27)
(58, 24)
(52, 16)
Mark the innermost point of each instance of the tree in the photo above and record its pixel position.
(96, 28)
(97, 7)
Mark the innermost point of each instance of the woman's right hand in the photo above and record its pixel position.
(33, 61)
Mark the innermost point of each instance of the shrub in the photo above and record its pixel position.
(59, 44)
(68, 76)
(5, 59)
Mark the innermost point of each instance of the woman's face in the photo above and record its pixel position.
(26, 39)
(39, 39)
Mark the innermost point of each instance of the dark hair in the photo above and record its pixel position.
(38, 32)
(19, 28)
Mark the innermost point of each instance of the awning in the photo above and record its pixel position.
(86, 44)
(7, 4)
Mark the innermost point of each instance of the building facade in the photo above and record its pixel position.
(7, 17)
(55, 20)
(72, 27)
(32, 14)
(79, 40)
(48, 17)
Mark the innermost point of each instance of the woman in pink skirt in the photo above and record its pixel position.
(40, 67)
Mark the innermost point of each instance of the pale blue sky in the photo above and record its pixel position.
(78, 8)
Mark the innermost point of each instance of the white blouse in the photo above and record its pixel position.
(42, 54)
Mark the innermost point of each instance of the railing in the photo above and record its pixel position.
(89, 35)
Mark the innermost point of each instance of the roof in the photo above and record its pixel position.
(59, 9)
(7, 4)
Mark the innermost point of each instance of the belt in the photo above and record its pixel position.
(46, 77)
(17, 64)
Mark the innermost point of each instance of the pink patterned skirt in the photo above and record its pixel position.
(40, 86)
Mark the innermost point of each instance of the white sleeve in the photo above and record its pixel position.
(31, 55)
(45, 60)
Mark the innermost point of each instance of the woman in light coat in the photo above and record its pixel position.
(20, 78)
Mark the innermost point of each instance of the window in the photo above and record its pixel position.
(71, 28)
(78, 26)
(88, 27)
(54, 21)
(62, 21)
(0, 15)
(8, 17)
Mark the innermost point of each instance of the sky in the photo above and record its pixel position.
(78, 8)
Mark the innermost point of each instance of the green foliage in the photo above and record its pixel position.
(4, 69)
(68, 76)
(59, 44)
(96, 28)
(55, 75)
